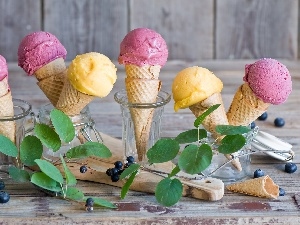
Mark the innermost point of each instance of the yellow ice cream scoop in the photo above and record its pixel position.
(92, 74)
(192, 85)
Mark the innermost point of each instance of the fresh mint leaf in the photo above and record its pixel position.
(231, 143)
(47, 136)
(70, 178)
(18, 175)
(42, 180)
(89, 149)
(200, 118)
(102, 202)
(168, 191)
(50, 170)
(194, 159)
(175, 170)
(131, 169)
(31, 149)
(231, 130)
(127, 185)
(62, 125)
(191, 136)
(7, 147)
(74, 194)
(163, 150)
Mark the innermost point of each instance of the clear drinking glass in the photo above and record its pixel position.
(128, 135)
(21, 110)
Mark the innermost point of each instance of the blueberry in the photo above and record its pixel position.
(252, 125)
(290, 167)
(258, 173)
(89, 202)
(83, 169)
(279, 122)
(109, 172)
(263, 116)
(115, 177)
(114, 171)
(4, 197)
(118, 165)
(281, 192)
(2, 185)
(130, 159)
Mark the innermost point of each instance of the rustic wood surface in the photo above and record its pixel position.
(29, 205)
(197, 30)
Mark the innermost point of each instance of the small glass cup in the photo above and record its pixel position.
(21, 110)
(84, 131)
(128, 134)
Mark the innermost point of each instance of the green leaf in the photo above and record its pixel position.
(231, 143)
(191, 136)
(132, 168)
(231, 130)
(62, 125)
(31, 149)
(48, 136)
(102, 202)
(89, 149)
(74, 194)
(163, 150)
(18, 174)
(42, 180)
(194, 159)
(174, 171)
(168, 191)
(7, 147)
(200, 118)
(127, 185)
(70, 178)
(50, 170)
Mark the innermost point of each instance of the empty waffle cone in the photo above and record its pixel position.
(245, 107)
(71, 101)
(217, 117)
(263, 187)
(7, 128)
(142, 91)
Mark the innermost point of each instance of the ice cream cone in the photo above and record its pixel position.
(217, 117)
(263, 187)
(142, 86)
(245, 107)
(7, 128)
(51, 79)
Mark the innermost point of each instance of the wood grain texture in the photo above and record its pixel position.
(256, 29)
(87, 25)
(17, 19)
(187, 28)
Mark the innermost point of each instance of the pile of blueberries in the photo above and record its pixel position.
(115, 172)
(4, 196)
(288, 168)
(278, 122)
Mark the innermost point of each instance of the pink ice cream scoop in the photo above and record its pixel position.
(38, 49)
(270, 80)
(143, 46)
(3, 68)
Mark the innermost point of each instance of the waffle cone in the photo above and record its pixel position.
(144, 72)
(71, 101)
(245, 107)
(55, 67)
(7, 128)
(217, 117)
(142, 91)
(263, 187)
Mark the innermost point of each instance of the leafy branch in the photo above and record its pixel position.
(195, 157)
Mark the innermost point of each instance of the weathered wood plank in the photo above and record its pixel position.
(17, 18)
(255, 29)
(87, 25)
(187, 28)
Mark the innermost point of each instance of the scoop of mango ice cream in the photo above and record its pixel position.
(92, 74)
(192, 85)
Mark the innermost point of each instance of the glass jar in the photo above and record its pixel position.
(128, 134)
(21, 110)
(84, 130)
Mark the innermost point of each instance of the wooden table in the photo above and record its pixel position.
(28, 205)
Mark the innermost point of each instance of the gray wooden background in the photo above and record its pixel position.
(193, 29)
